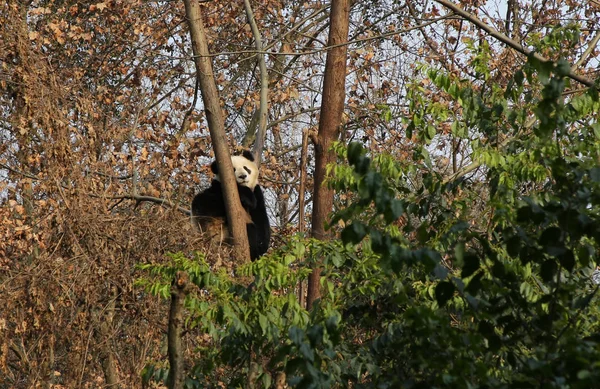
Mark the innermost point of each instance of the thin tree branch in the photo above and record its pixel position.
(301, 194)
(506, 40)
(24, 174)
(474, 165)
(325, 48)
(588, 51)
(264, 87)
(293, 114)
(141, 198)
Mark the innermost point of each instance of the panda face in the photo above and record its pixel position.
(245, 170)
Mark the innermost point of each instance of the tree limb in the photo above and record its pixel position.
(506, 40)
(142, 198)
(264, 87)
(588, 51)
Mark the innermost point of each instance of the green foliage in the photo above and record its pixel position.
(510, 308)
(434, 282)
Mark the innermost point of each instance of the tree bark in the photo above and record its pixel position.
(332, 107)
(301, 202)
(176, 362)
(214, 117)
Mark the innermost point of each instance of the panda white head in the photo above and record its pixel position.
(244, 168)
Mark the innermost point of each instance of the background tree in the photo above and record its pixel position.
(332, 108)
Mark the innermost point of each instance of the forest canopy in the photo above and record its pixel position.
(459, 248)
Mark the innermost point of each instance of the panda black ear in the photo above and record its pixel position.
(214, 168)
(248, 155)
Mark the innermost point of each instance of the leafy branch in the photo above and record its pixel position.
(510, 42)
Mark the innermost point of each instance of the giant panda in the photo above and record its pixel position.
(209, 213)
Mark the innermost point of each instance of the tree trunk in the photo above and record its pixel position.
(301, 202)
(214, 117)
(332, 107)
(176, 363)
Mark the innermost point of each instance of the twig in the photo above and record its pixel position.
(324, 48)
(503, 38)
(24, 174)
(140, 198)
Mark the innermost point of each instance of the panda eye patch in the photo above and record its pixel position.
(248, 170)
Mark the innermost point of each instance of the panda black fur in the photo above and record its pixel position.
(209, 213)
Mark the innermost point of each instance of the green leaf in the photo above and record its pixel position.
(440, 271)
(544, 69)
(563, 68)
(487, 330)
(337, 259)
(266, 379)
(422, 234)
(475, 284)
(567, 260)
(264, 323)
(354, 152)
(376, 241)
(354, 233)
(550, 236)
(394, 211)
(471, 265)
(596, 129)
(548, 270)
(409, 130)
(519, 77)
(459, 252)
(373, 183)
(315, 335)
(296, 335)
(444, 292)
(513, 246)
(431, 131)
(595, 174)
(362, 164)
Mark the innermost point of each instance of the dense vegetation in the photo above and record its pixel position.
(473, 282)
(464, 229)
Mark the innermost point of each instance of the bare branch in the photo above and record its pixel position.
(141, 198)
(503, 38)
(24, 174)
(588, 51)
(328, 47)
(264, 87)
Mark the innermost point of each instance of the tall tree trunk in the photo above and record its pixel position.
(179, 291)
(301, 202)
(214, 117)
(332, 107)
